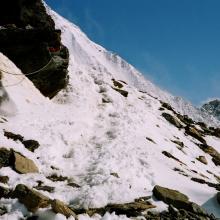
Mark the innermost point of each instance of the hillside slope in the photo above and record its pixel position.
(106, 134)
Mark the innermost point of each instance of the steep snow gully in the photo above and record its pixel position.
(104, 132)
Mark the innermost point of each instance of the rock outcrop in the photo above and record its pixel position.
(181, 202)
(192, 131)
(172, 119)
(202, 159)
(32, 199)
(29, 38)
(16, 161)
(31, 145)
(59, 207)
(171, 197)
(24, 165)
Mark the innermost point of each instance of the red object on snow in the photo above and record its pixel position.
(54, 49)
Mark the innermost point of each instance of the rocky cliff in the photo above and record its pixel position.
(29, 38)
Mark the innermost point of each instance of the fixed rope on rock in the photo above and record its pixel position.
(27, 74)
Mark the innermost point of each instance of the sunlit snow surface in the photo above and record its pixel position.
(87, 139)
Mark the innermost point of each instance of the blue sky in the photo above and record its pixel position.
(175, 43)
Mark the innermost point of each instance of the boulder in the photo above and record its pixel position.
(218, 197)
(32, 199)
(212, 152)
(193, 207)
(24, 165)
(185, 119)
(115, 175)
(179, 201)
(45, 188)
(151, 140)
(171, 197)
(216, 132)
(31, 145)
(216, 161)
(14, 137)
(4, 192)
(167, 106)
(3, 210)
(202, 159)
(56, 178)
(5, 157)
(198, 180)
(130, 209)
(122, 92)
(4, 179)
(74, 185)
(179, 143)
(117, 84)
(172, 119)
(169, 155)
(59, 207)
(195, 133)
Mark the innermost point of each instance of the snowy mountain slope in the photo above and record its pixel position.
(97, 59)
(90, 132)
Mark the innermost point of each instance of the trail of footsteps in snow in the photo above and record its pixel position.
(110, 147)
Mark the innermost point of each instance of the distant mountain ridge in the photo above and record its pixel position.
(213, 108)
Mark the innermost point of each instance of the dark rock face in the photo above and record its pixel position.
(30, 40)
(23, 12)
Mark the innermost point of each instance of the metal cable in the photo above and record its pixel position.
(28, 74)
